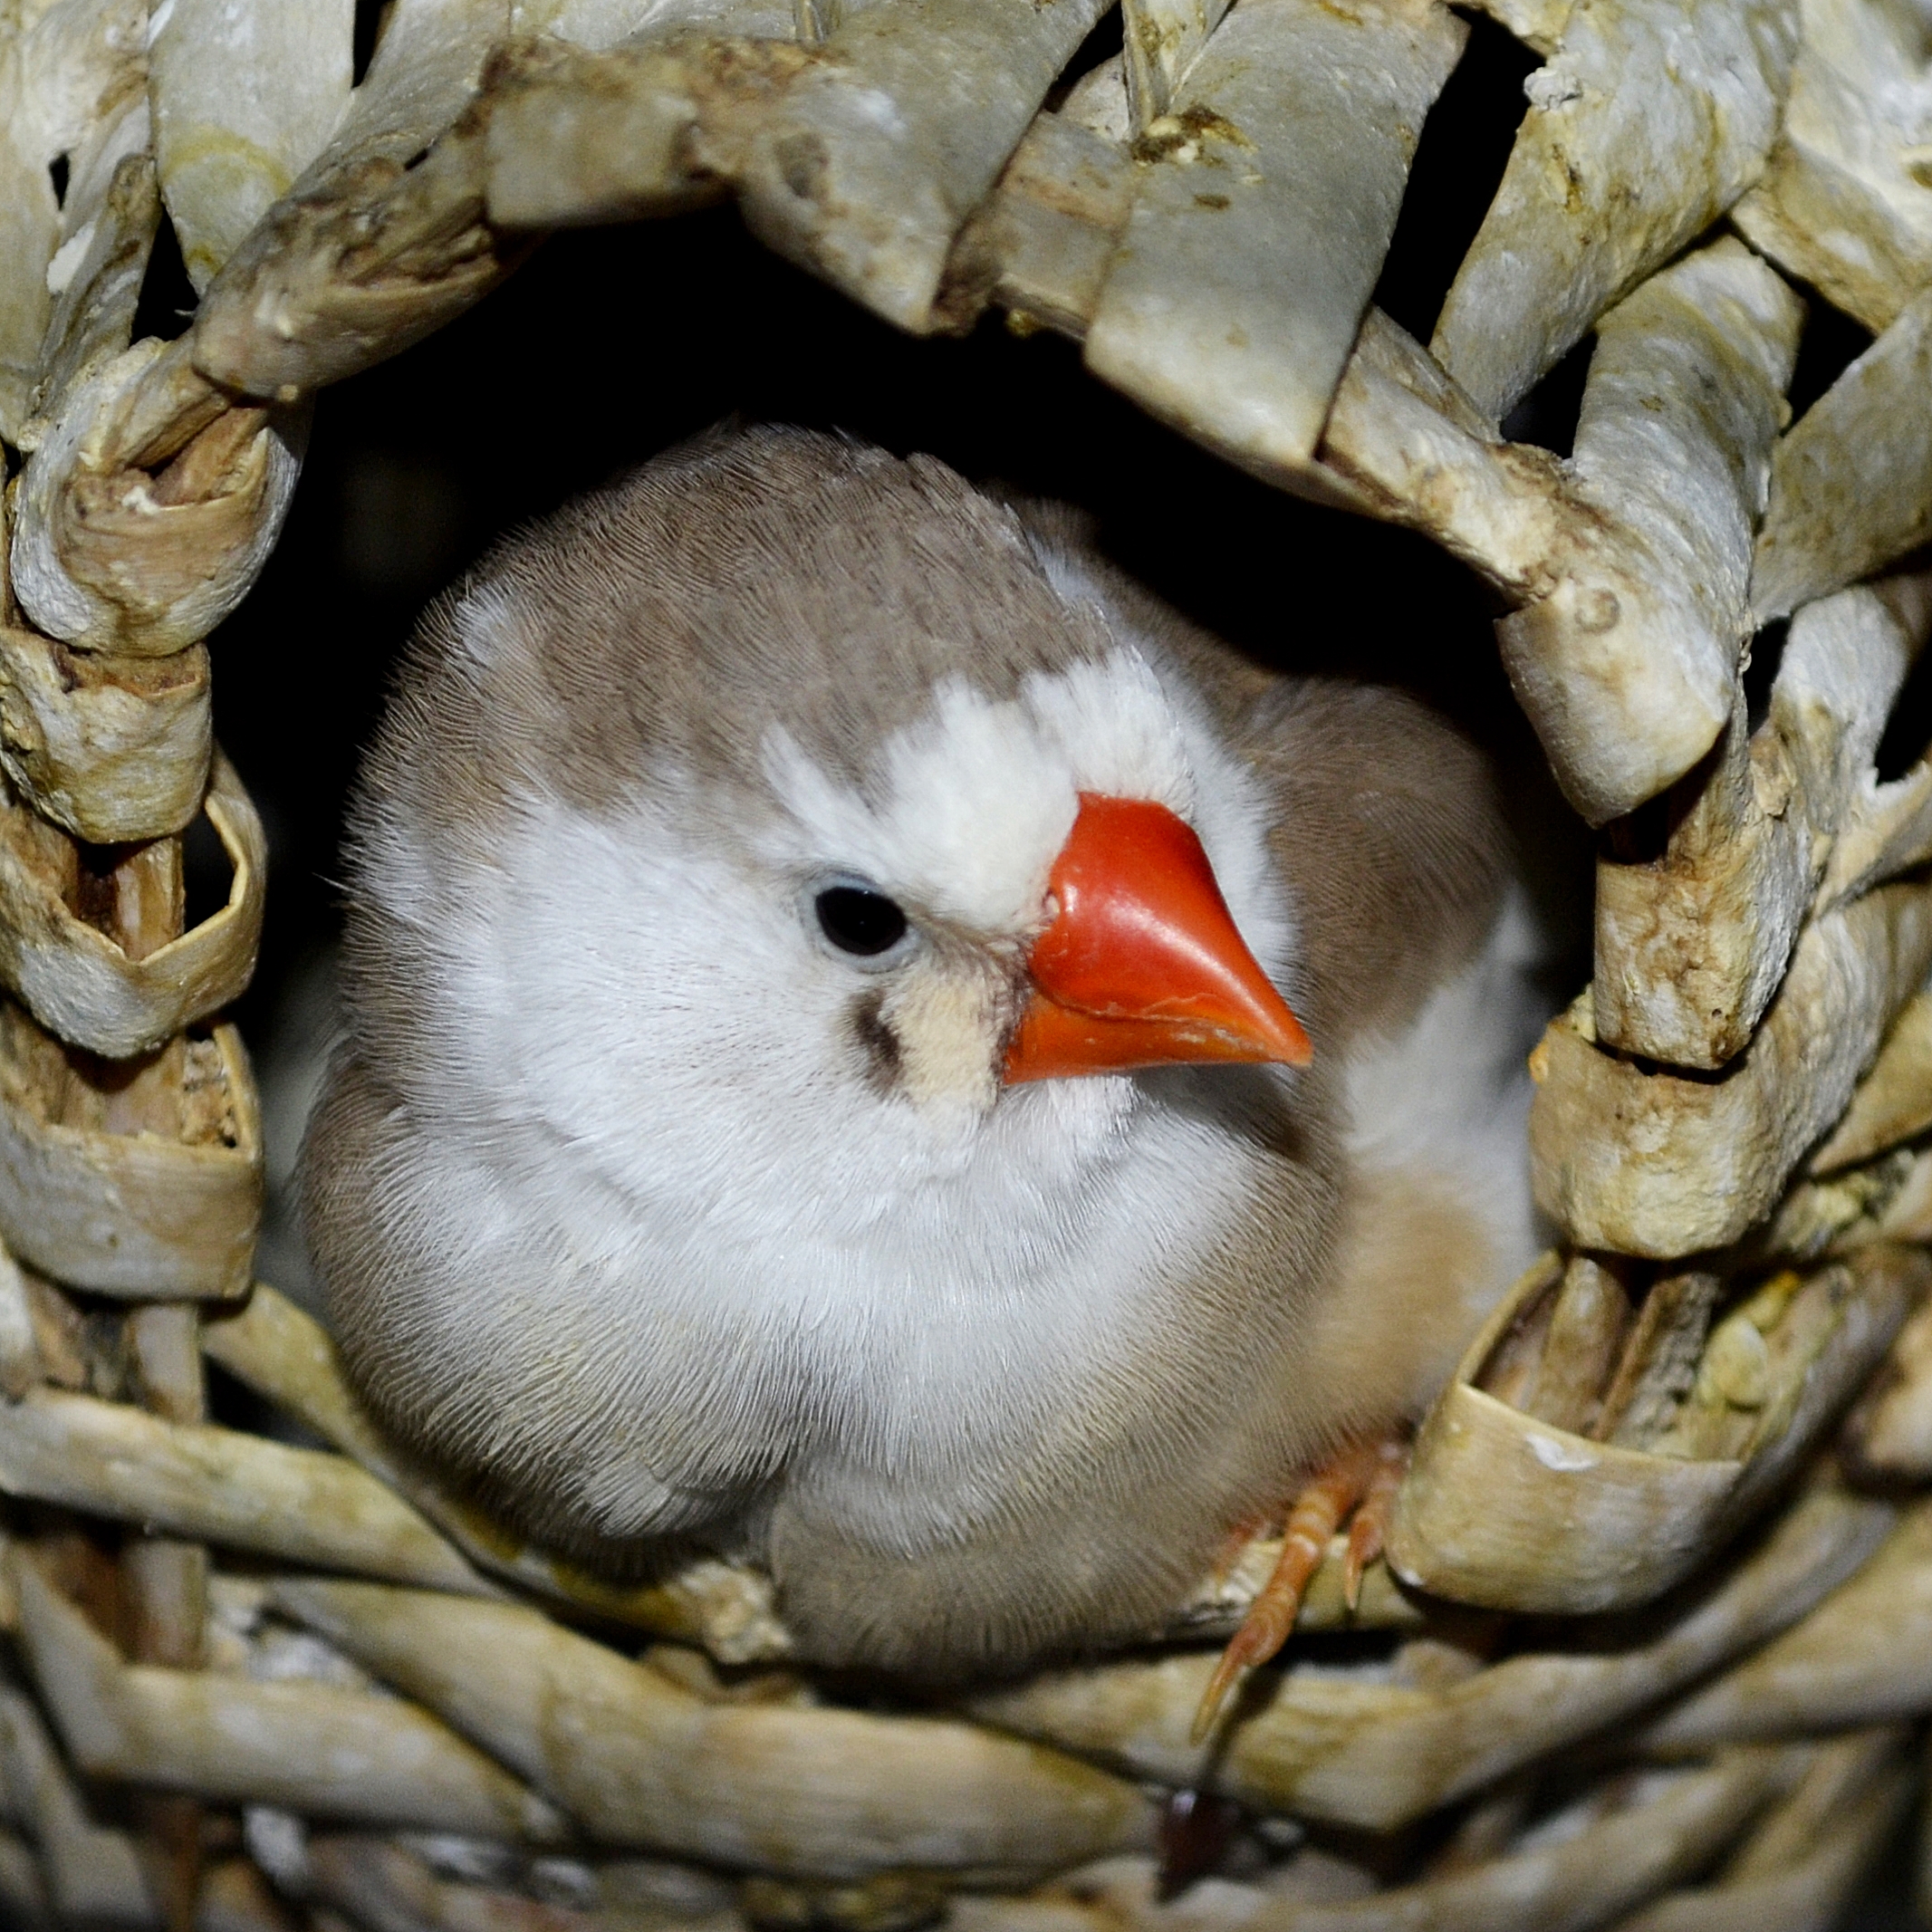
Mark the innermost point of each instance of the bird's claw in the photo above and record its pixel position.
(1364, 1479)
(1369, 1526)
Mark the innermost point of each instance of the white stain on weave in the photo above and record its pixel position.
(1559, 1455)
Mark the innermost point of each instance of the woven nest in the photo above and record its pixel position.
(1655, 1626)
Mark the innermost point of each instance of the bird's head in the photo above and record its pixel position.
(1019, 895)
(838, 818)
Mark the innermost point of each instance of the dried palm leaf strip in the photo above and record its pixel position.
(1691, 941)
(1646, 125)
(73, 85)
(92, 1873)
(1160, 39)
(861, 159)
(1623, 698)
(875, 153)
(1510, 1510)
(244, 100)
(112, 1460)
(1890, 1432)
(1258, 231)
(311, 1748)
(1893, 1102)
(1614, 1856)
(1323, 1746)
(1042, 245)
(111, 749)
(127, 1209)
(1537, 23)
(1630, 679)
(82, 985)
(1852, 482)
(382, 240)
(386, 1883)
(1862, 1657)
(106, 556)
(577, 138)
(1845, 204)
(1661, 1163)
(1800, 1868)
(639, 1760)
(108, 216)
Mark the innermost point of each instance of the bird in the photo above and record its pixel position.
(876, 1046)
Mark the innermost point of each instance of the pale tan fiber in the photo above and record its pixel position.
(236, 1898)
(878, 151)
(1852, 482)
(1324, 1744)
(219, 1485)
(1537, 23)
(1614, 1855)
(21, 1366)
(387, 1882)
(1160, 39)
(108, 557)
(1420, 453)
(648, 113)
(1893, 1102)
(1685, 395)
(315, 1750)
(1891, 833)
(1655, 1163)
(367, 254)
(1864, 1656)
(68, 78)
(1691, 943)
(1886, 1199)
(1043, 246)
(651, 130)
(1801, 1866)
(1097, 101)
(638, 1759)
(82, 986)
(1624, 703)
(1845, 204)
(1257, 235)
(108, 221)
(1646, 125)
(1891, 1430)
(245, 93)
(1846, 658)
(135, 1214)
(1505, 1509)
(92, 1873)
(111, 749)
(596, 25)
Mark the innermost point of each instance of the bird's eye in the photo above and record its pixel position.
(858, 921)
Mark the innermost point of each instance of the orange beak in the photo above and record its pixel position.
(1142, 965)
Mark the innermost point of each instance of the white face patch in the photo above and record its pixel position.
(974, 804)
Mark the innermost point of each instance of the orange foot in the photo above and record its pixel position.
(1364, 1479)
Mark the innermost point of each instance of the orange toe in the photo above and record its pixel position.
(1363, 1478)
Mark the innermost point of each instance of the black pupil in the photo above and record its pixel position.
(858, 921)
